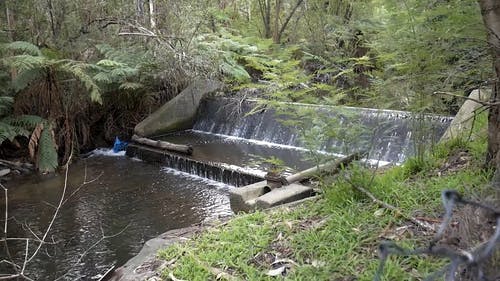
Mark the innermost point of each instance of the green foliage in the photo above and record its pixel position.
(12, 127)
(422, 47)
(10, 132)
(47, 160)
(35, 65)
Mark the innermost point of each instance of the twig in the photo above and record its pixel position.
(82, 255)
(483, 103)
(56, 212)
(7, 251)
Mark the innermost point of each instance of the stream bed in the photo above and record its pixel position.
(133, 200)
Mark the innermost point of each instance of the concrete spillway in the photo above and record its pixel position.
(231, 142)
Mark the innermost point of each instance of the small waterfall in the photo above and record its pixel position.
(389, 135)
(231, 175)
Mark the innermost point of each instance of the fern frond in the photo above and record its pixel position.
(47, 152)
(25, 62)
(123, 72)
(103, 77)
(28, 122)
(24, 78)
(110, 63)
(131, 86)
(24, 48)
(9, 132)
(77, 70)
(5, 105)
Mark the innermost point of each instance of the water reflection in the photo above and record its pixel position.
(135, 199)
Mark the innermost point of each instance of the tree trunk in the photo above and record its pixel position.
(139, 10)
(277, 13)
(285, 24)
(152, 15)
(50, 13)
(265, 12)
(10, 21)
(490, 10)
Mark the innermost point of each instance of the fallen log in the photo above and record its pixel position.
(24, 168)
(185, 149)
(329, 167)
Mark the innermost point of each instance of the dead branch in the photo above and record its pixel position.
(56, 212)
(82, 255)
(385, 205)
(330, 167)
(483, 103)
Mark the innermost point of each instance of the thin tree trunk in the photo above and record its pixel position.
(490, 10)
(285, 24)
(152, 15)
(51, 18)
(9, 17)
(249, 10)
(277, 12)
(265, 11)
(139, 10)
(10, 25)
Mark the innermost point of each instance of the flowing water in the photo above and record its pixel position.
(133, 199)
(389, 135)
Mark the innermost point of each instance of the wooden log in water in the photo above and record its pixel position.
(19, 166)
(185, 149)
(330, 167)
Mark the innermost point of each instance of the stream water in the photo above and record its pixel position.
(132, 199)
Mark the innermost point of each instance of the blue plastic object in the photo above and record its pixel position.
(119, 145)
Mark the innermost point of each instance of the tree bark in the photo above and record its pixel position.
(490, 11)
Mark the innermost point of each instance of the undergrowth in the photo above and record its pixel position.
(336, 237)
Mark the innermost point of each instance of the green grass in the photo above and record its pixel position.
(335, 237)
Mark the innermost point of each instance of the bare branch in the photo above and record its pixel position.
(56, 212)
(483, 103)
(383, 204)
(104, 237)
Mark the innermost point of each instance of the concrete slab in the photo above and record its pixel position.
(283, 195)
(243, 199)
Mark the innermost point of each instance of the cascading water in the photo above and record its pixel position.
(233, 146)
(389, 135)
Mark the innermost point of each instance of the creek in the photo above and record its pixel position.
(131, 198)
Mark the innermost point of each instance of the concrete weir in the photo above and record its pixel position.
(231, 175)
